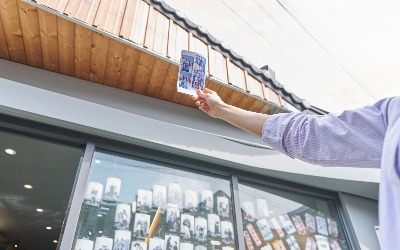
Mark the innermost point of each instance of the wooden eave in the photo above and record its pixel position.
(126, 44)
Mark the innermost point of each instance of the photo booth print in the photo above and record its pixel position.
(103, 243)
(186, 246)
(138, 245)
(159, 195)
(122, 239)
(122, 216)
(93, 194)
(192, 72)
(84, 244)
(112, 190)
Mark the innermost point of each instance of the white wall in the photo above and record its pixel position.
(363, 214)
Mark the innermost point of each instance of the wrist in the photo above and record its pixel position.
(221, 110)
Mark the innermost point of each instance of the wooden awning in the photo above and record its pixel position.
(124, 44)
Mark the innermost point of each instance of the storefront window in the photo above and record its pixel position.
(130, 204)
(275, 219)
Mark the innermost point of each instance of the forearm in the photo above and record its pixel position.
(250, 121)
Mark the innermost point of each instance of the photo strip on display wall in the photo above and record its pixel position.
(192, 72)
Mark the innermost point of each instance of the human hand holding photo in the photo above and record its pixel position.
(209, 102)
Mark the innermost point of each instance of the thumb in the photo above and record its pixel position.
(201, 94)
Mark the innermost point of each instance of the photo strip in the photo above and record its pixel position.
(103, 243)
(172, 242)
(192, 72)
(200, 229)
(141, 226)
(83, 244)
(144, 200)
(159, 195)
(138, 245)
(156, 244)
(93, 193)
(122, 216)
(122, 239)
(113, 186)
(187, 226)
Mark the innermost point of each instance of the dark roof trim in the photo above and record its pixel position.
(265, 74)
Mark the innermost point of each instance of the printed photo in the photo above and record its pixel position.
(138, 245)
(253, 234)
(200, 64)
(214, 225)
(311, 244)
(298, 223)
(287, 224)
(103, 243)
(187, 225)
(144, 200)
(227, 234)
(265, 229)
(200, 248)
(122, 216)
(321, 225)
(334, 245)
(185, 80)
(248, 210)
(267, 247)
(322, 241)
(113, 187)
(174, 193)
(200, 227)
(278, 245)
(277, 227)
(83, 244)
(171, 242)
(191, 200)
(122, 240)
(187, 60)
(332, 227)
(141, 226)
(207, 200)
(223, 206)
(247, 239)
(262, 208)
(198, 81)
(93, 193)
(172, 218)
(292, 243)
(310, 223)
(159, 195)
(186, 246)
(227, 248)
(156, 244)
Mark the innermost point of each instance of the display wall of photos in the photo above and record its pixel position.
(135, 205)
(273, 222)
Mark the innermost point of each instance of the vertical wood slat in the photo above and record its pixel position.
(218, 65)
(142, 77)
(49, 40)
(170, 82)
(58, 5)
(151, 28)
(135, 21)
(178, 40)
(114, 62)
(83, 42)
(236, 75)
(3, 44)
(171, 48)
(110, 15)
(254, 86)
(201, 48)
(66, 46)
(98, 57)
(157, 78)
(10, 19)
(83, 10)
(157, 32)
(31, 34)
(270, 95)
(128, 69)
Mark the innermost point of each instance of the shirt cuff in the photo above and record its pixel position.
(274, 129)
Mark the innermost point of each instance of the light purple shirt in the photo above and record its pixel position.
(364, 137)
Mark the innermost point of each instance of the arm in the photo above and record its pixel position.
(210, 103)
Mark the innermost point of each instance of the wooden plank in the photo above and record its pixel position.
(143, 73)
(66, 46)
(129, 66)
(161, 34)
(58, 5)
(254, 86)
(225, 92)
(31, 34)
(257, 106)
(135, 21)
(182, 42)
(236, 75)
(83, 10)
(157, 78)
(49, 40)
(169, 88)
(171, 49)
(83, 42)
(12, 30)
(115, 55)
(236, 98)
(3, 44)
(151, 29)
(246, 102)
(98, 57)
(265, 109)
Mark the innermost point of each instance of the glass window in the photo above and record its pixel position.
(130, 204)
(275, 219)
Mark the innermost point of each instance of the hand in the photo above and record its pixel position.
(209, 102)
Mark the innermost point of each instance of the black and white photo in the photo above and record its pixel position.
(186, 246)
(144, 200)
(156, 244)
(227, 234)
(103, 243)
(187, 226)
(122, 240)
(141, 225)
(84, 244)
(200, 227)
(207, 200)
(322, 241)
(262, 208)
(214, 225)
(138, 245)
(93, 193)
(113, 187)
(223, 206)
(172, 219)
(174, 193)
(122, 216)
(171, 242)
(200, 247)
(191, 200)
(159, 195)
